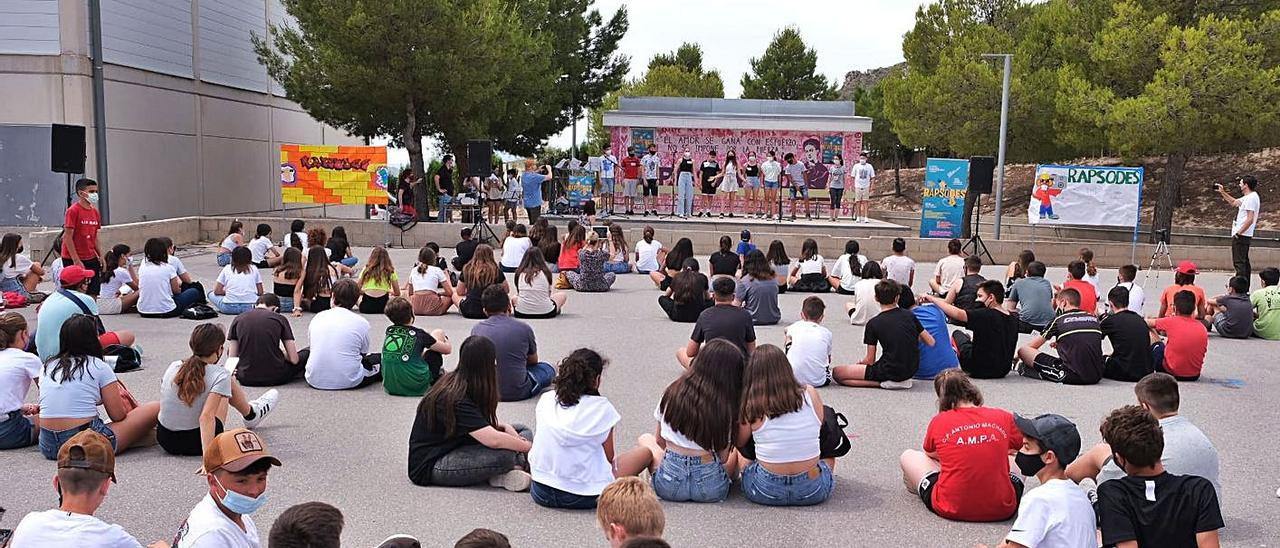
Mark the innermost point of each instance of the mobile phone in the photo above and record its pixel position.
(231, 365)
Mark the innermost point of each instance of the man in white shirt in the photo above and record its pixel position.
(236, 463)
(86, 470)
(1137, 297)
(339, 357)
(948, 270)
(863, 173)
(1247, 207)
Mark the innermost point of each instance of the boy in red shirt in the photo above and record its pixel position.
(630, 179)
(1187, 342)
(1075, 280)
(80, 242)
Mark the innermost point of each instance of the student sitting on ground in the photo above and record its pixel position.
(573, 457)
(1187, 451)
(591, 277)
(863, 306)
(744, 244)
(724, 262)
(378, 282)
(810, 274)
(480, 273)
(119, 291)
(964, 290)
(412, 359)
(1078, 339)
(195, 394)
(456, 439)
(339, 357)
(239, 285)
(574, 241)
(1184, 279)
(1017, 269)
(234, 239)
(236, 466)
(782, 417)
(297, 236)
(649, 253)
(75, 382)
(1187, 339)
(265, 254)
(617, 247)
(307, 525)
(897, 331)
(1031, 297)
(948, 270)
(898, 266)
(939, 356)
(965, 477)
(340, 248)
(21, 424)
(535, 299)
(989, 351)
(549, 245)
(721, 321)
(757, 290)
(1150, 506)
(18, 274)
(1124, 278)
(847, 270)
(1233, 312)
(808, 345)
(514, 248)
(1134, 346)
(286, 281)
(780, 262)
(257, 337)
(464, 250)
(693, 460)
(687, 296)
(1057, 513)
(628, 508)
(1076, 272)
(520, 374)
(318, 277)
(1266, 305)
(429, 289)
(160, 286)
(60, 307)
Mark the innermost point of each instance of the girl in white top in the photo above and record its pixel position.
(848, 269)
(572, 459)
(429, 289)
(783, 418)
(265, 255)
(18, 273)
(781, 263)
(535, 298)
(119, 292)
(234, 239)
(899, 267)
(18, 368)
(729, 181)
(863, 307)
(513, 248)
(239, 284)
(810, 274)
(647, 253)
(158, 281)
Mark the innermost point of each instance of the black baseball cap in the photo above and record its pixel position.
(746, 235)
(1054, 433)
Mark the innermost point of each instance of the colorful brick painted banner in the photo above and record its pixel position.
(817, 149)
(329, 174)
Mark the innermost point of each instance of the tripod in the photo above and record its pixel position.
(481, 230)
(975, 241)
(70, 193)
(1162, 250)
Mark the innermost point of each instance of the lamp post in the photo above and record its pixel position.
(1004, 131)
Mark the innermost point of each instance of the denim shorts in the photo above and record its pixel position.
(15, 431)
(51, 441)
(224, 258)
(684, 478)
(12, 285)
(801, 191)
(606, 185)
(771, 185)
(551, 497)
(804, 489)
(752, 182)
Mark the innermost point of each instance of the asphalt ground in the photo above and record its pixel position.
(350, 448)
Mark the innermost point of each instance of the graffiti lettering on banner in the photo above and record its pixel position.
(329, 174)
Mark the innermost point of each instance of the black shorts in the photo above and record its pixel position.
(544, 316)
(650, 187)
(94, 266)
(1047, 367)
(183, 442)
(880, 372)
(929, 481)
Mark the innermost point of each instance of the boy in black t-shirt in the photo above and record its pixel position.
(1077, 338)
(708, 173)
(896, 330)
(1132, 342)
(1151, 507)
(722, 321)
(988, 353)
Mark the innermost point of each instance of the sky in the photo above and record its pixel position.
(847, 34)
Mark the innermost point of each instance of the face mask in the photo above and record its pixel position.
(238, 503)
(687, 155)
(92, 197)
(1029, 465)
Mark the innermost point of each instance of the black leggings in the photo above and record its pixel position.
(374, 305)
(184, 442)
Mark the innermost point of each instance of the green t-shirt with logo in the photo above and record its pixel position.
(1266, 302)
(408, 366)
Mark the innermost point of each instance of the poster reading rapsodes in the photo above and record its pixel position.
(579, 188)
(1085, 195)
(329, 174)
(942, 199)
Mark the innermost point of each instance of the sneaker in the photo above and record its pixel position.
(721, 214)
(261, 407)
(515, 481)
(896, 385)
(730, 215)
(646, 213)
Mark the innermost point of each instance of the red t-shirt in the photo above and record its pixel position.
(1166, 298)
(973, 444)
(85, 222)
(569, 259)
(1088, 295)
(630, 167)
(1184, 349)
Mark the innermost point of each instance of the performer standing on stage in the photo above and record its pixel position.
(708, 173)
(607, 182)
(751, 173)
(772, 172)
(863, 173)
(729, 181)
(652, 169)
(795, 172)
(684, 185)
(630, 179)
(836, 185)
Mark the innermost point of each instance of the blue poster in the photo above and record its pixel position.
(579, 188)
(942, 199)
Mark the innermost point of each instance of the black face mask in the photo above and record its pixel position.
(1029, 465)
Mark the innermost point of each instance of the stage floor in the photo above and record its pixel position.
(750, 223)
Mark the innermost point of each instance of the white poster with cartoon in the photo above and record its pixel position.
(1085, 195)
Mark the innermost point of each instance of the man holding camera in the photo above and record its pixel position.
(1247, 206)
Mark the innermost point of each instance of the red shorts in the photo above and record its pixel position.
(109, 338)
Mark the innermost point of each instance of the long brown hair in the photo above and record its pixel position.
(769, 387)
(482, 270)
(617, 237)
(11, 324)
(702, 404)
(475, 378)
(688, 285)
(9, 250)
(578, 375)
(550, 244)
(290, 264)
(316, 277)
(576, 238)
(756, 266)
(379, 269)
(206, 339)
(954, 387)
(531, 265)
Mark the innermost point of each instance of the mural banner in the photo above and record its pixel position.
(579, 188)
(942, 199)
(1085, 195)
(330, 174)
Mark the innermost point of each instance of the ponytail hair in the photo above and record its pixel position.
(426, 258)
(851, 248)
(294, 240)
(206, 339)
(110, 261)
(579, 375)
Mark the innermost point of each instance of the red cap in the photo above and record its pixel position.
(1187, 267)
(74, 275)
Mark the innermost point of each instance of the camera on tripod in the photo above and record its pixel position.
(1162, 236)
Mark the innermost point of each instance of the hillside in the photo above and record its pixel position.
(865, 79)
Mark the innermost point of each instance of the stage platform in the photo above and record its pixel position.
(732, 225)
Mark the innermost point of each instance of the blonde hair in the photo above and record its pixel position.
(631, 503)
(530, 164)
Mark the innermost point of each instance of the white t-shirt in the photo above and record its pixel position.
(534, 297)
(430, 280)
(513, 249)
(1057, 513)
(154, 288)
(17, 370)
(302, 238)
(208, 527)
(862, 174)
(240, 287)
(119, 278)
(258, 247)
(809, 352)
(647, 255)
(606, 166)
(845, 272)
(864, 298)
(177, 265)
(1137, 297)
(74, 397)
(771, 170)
(670, 434)
(59, 528)
(813, 265)
(1248, 202)
(898, 268)
(568, 450)
(951, 268)
(339, 339)
(20, 265)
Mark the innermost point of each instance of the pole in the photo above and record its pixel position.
(1004, 133)
(99, 109)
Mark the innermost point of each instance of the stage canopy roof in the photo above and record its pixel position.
(687, 112)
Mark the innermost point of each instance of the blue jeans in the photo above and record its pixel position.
(551, 497)
(445, 200)
(51, 441)
(474, 463)
(540, 375)
(219, 302)
(620, 267)
(286, 305)
(224, 258)
(187, 298)
(684, 194)
(12, 285)
(16, 431)
(350, 262)
(683, 478)
(804, 489)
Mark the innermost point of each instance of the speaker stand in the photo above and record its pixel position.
(975, 242)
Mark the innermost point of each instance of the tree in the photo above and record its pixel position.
(787, 70)
(882, 142)
(675, 74)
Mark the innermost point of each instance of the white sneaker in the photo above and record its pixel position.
(896, 385)
(261, 407)
(515, 480)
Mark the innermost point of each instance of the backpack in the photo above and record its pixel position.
(832, 439)
(200, 312)
(128, 358)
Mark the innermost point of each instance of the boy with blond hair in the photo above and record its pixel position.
(629, 508)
